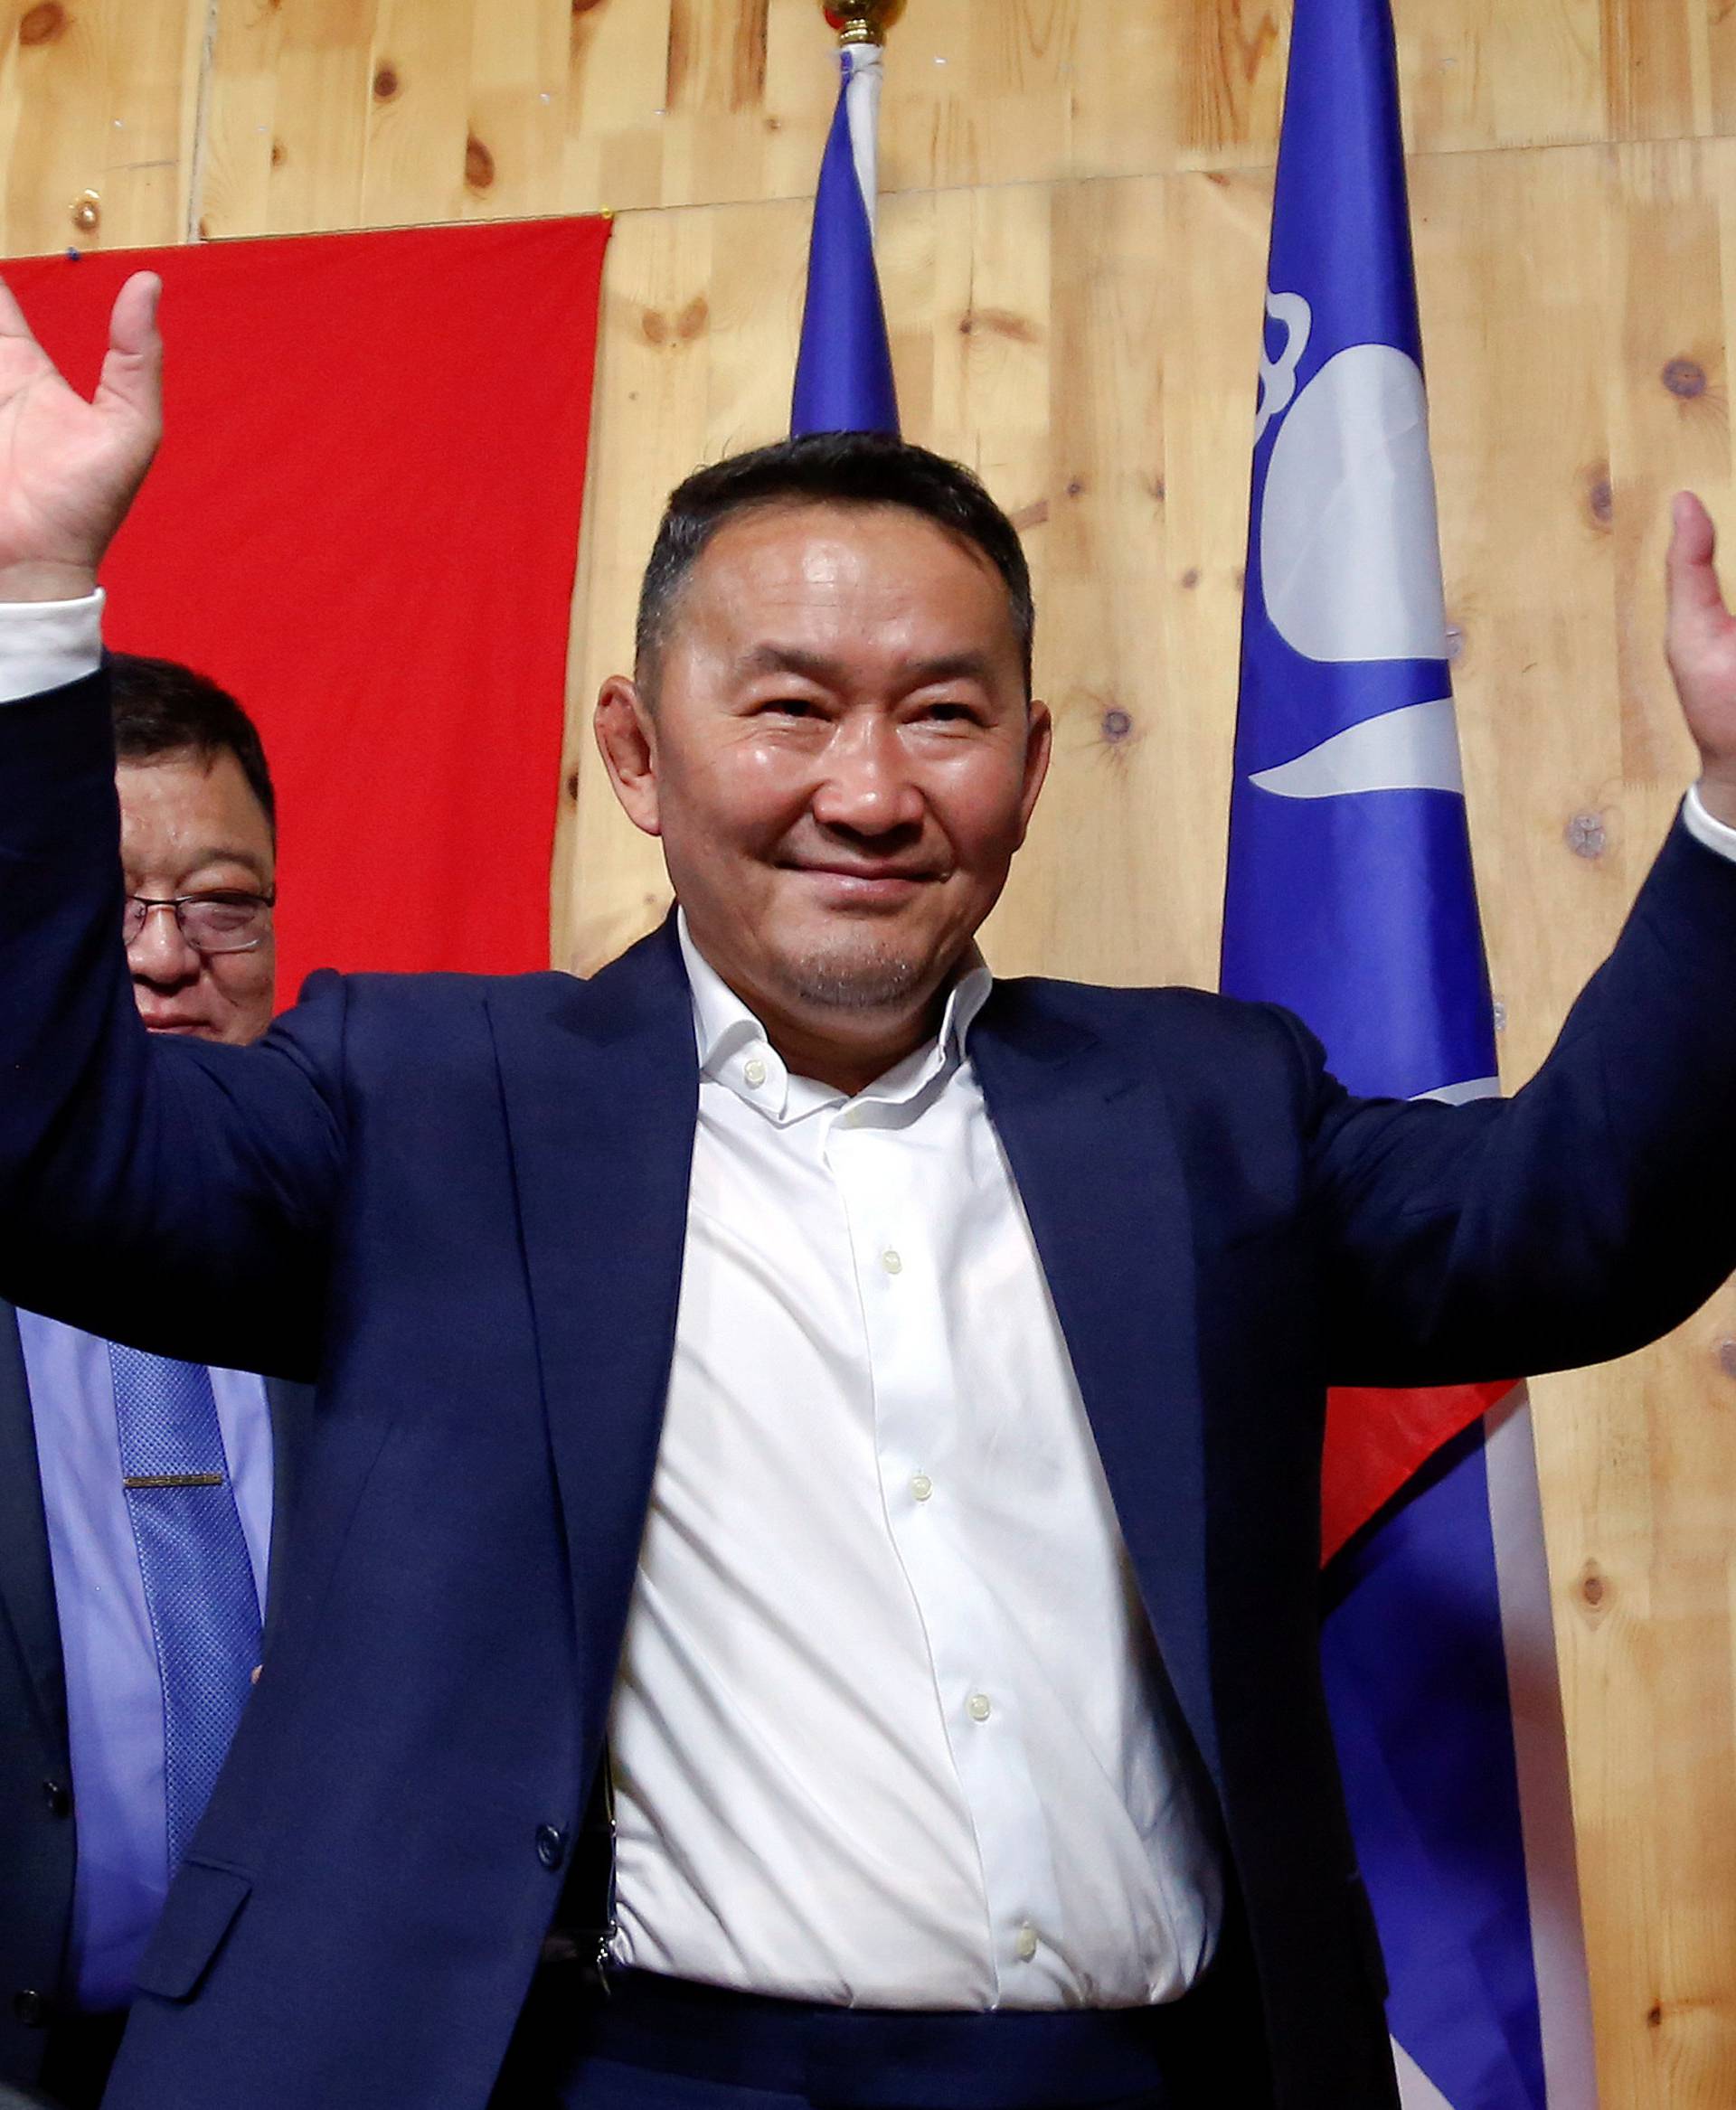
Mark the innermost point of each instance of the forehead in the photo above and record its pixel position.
(878, 569)
(180, 811)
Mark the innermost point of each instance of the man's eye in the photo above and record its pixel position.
(785, 707)
(948, 713)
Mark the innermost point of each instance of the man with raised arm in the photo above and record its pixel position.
(877, 1406)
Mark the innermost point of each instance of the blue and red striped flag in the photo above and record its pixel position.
(1350, 899)
(844, 370)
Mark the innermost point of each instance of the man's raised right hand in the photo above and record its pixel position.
(68, 468)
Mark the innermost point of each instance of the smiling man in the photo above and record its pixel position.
(875, 1407)
(834, 735)
(127, 1640)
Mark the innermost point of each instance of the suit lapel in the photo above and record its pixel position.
(1092, 1148)
(26, 1578)
(291, 1408)
(601, 1093)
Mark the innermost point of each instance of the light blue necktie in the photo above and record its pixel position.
(199, 1586)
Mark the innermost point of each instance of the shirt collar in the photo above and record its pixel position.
(734, 1050)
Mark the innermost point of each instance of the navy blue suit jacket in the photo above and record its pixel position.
(464, 1201)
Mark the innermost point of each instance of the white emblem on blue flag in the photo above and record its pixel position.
(1415, 749)
(1295, 317)
(1349, 548)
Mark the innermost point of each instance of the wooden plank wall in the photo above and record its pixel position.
(1073, 258)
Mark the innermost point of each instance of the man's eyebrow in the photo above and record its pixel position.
(789, 659)
(921, 673)
(226, 854)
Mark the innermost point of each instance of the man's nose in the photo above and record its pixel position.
(869, 787)
(160, 954)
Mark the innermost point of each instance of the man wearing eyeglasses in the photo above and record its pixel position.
(136, 1493)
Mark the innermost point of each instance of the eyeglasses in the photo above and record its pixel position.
(210, 923)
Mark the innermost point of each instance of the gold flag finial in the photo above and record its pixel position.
(862, 21)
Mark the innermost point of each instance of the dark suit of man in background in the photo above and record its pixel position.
(886, 1404)
(84, 1862)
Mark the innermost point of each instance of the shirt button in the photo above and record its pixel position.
(977, 1708)
(921, 1486)
(890, 1261)
(1026, 1944)
(550, 1846)
(754, 1071)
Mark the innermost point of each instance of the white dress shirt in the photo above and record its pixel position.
(890, 1730)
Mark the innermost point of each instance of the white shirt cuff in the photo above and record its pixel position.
(45, 645)
(1717, 835)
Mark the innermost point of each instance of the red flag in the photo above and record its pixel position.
(363, 521)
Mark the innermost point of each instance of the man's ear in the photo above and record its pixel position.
(627, 738)
(1039, 746)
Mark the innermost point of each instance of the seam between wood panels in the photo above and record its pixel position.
(201, 123)
(1170, 171)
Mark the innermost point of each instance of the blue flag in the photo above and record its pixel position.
(1350, 897)
(844, 370)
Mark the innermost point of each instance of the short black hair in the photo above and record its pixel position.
(827, 468)
(162, 708)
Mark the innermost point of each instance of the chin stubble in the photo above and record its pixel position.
(862, 984)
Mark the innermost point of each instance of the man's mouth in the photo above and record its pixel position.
(865, 885)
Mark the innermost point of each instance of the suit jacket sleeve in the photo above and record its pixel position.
(166, 1192)
(1583, 1218)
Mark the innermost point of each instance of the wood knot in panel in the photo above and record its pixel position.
(478, 164)
(386, 83)
(1586, 835)
(1599, 495)
(279, 154)
(1596, 1593)
(1157, 490)
(43, 24)
(998, 321)
(1726, 1354)
(1685, 378)
(1116, 725)
(694, 319)
(1191, 578)
(573, 787)
(1076, 486)
(653, 325)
